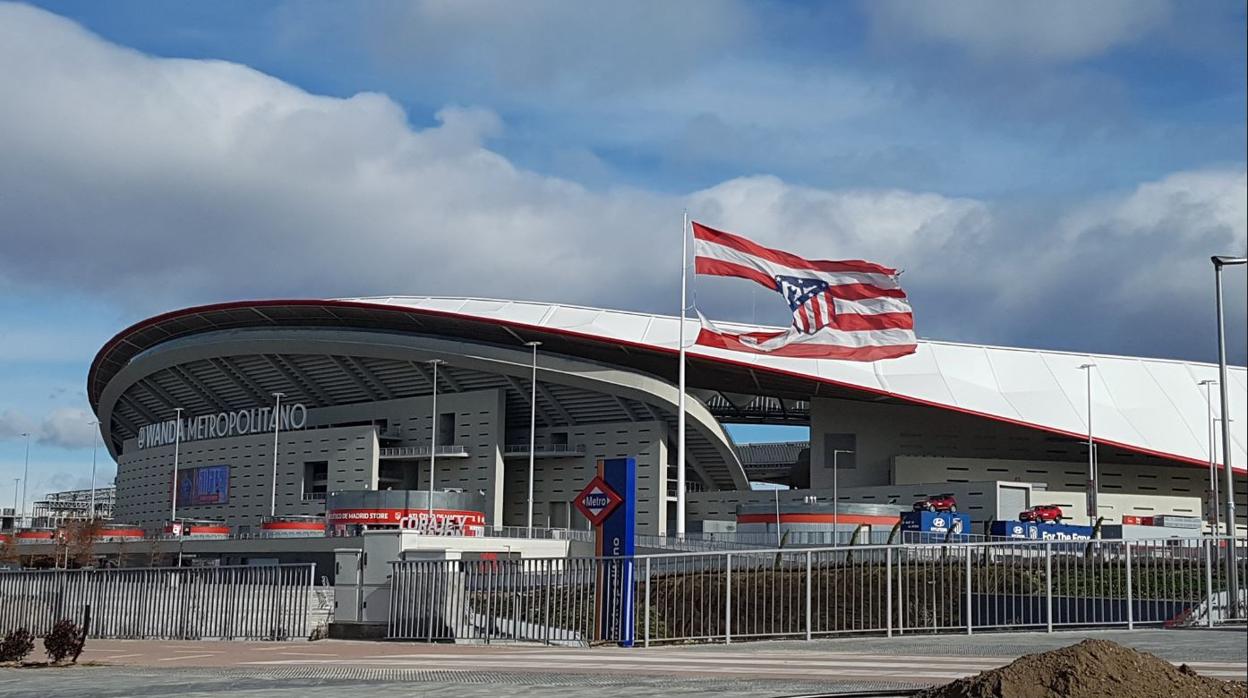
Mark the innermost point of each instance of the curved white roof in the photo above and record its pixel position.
(1150, 405)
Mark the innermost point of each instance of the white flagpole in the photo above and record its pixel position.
(680, 419)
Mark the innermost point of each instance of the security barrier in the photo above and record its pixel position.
(725, 596)
(226, 603)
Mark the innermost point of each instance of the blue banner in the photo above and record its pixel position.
(616, 541)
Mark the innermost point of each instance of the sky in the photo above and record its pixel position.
(1051, 174)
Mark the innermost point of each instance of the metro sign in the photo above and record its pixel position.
(597, 501)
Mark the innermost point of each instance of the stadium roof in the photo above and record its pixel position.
(1149, 406)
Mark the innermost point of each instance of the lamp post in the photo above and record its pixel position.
(25, 475)
(1214, 518)
(1231, 561)
(277, 427)
(836, 495)
(177, 442)
(94, 447)
(17, 482)
(433, 429)
(1093, 508)
(532, 428)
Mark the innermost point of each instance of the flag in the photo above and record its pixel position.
(850, 310)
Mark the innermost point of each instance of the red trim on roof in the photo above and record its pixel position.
(232, 305)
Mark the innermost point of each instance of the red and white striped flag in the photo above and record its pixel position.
(851, 310)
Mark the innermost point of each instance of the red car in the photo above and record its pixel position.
(940, 502)
(1044, 513)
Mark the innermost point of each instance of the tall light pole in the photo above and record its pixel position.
(277, 427)
(1231, 560)
(177, 442)
(532, 429)
(433, 432)
(836, 494)
(95, 443)
(1214, 519)
(1093, 508)
(17, 482)
(25, 475)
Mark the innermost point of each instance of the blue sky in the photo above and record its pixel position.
(1048, 174)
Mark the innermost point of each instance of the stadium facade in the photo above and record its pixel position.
(1002, 428)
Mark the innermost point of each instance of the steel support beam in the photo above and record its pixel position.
(243, 382)
(356, 378)
(524, 393)
(297, 378)
(369, 376)
(151, 386)
(139, 408)
(563, 412)
(198, 387)
(624, 406)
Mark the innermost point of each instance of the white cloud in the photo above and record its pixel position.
(1041, 31)
(62, 427)
(162, 182)
(14, 423)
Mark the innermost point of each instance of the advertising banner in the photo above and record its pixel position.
(204, 486)
(441, 522)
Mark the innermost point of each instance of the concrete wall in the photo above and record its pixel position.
(557, 481)
(144, 477)
(901, 444)
(1123, 489)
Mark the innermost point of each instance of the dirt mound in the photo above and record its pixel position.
(1090, 669)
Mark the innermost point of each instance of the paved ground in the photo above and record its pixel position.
(146, 668)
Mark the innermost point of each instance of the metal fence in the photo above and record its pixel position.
(724, 596)
(228, 603)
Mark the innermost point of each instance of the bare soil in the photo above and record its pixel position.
(1090, 669)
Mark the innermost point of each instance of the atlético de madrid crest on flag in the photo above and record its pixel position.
(849, 309)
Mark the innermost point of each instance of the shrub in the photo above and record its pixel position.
(64, 641)
(16, 645)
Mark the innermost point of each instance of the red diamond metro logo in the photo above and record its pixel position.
(597, 501)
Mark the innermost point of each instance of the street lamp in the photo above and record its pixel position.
(836, 497)
(532, 428)
(17, 481)
(1214, 519)
(177, 442)
(433, 429)
(277, 427)
(25, 475)
(95, 443)
(1231, 560)
(1093, 508)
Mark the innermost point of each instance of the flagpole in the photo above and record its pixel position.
(680, 419)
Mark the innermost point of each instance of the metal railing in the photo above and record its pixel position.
(227, 603)
(544, 450)
(724, 596)
(452, 451)
(537, 533)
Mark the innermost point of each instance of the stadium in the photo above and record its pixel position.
(289, 404)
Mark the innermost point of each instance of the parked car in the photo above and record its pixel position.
(1043, 513)
(940, 502)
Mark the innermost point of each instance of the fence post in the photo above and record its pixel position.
(808, 581)
(888, 595)
(1048, 587)
(969, 621)
(1209, 546)
(728, 598)
(646, 637)
(1130, 590)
